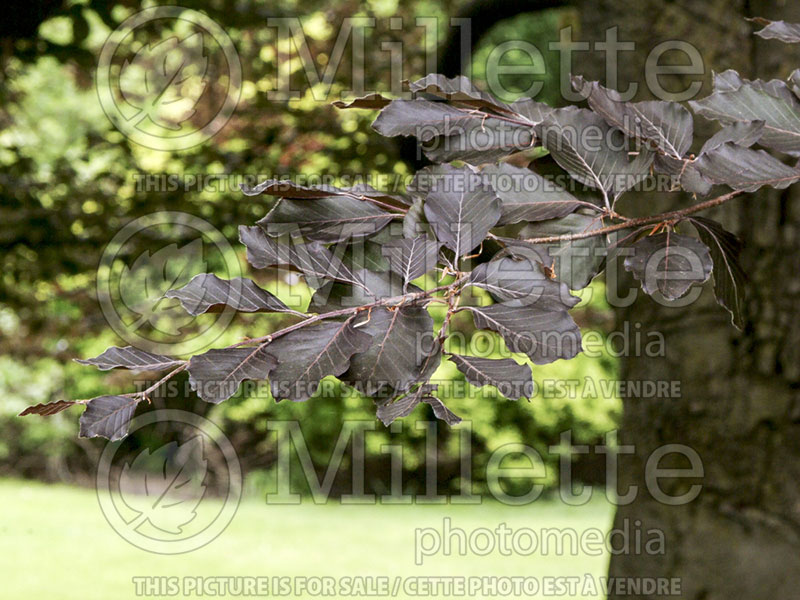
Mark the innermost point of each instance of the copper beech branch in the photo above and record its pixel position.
(394, 301)
(397, 301)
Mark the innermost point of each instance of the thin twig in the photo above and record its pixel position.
(663, 217)
(376, 202)
(145, 393)
(343, 312)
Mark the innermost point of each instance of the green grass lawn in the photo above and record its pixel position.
(56, 545)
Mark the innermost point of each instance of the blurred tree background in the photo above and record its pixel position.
(69, 181)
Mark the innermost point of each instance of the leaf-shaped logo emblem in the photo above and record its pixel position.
(164, 87)
(142, 285)
(164, 488)
(164, 82)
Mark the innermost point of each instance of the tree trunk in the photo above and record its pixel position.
(739, 402)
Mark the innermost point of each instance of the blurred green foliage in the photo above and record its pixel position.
(68, 183)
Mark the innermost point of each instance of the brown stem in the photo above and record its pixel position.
(452, 306)
(343, 312)
(145, 393)
(663, 217)
(380, 204)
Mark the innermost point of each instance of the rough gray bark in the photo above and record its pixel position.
(740, 403)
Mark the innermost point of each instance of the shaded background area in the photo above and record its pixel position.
(69, 181)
